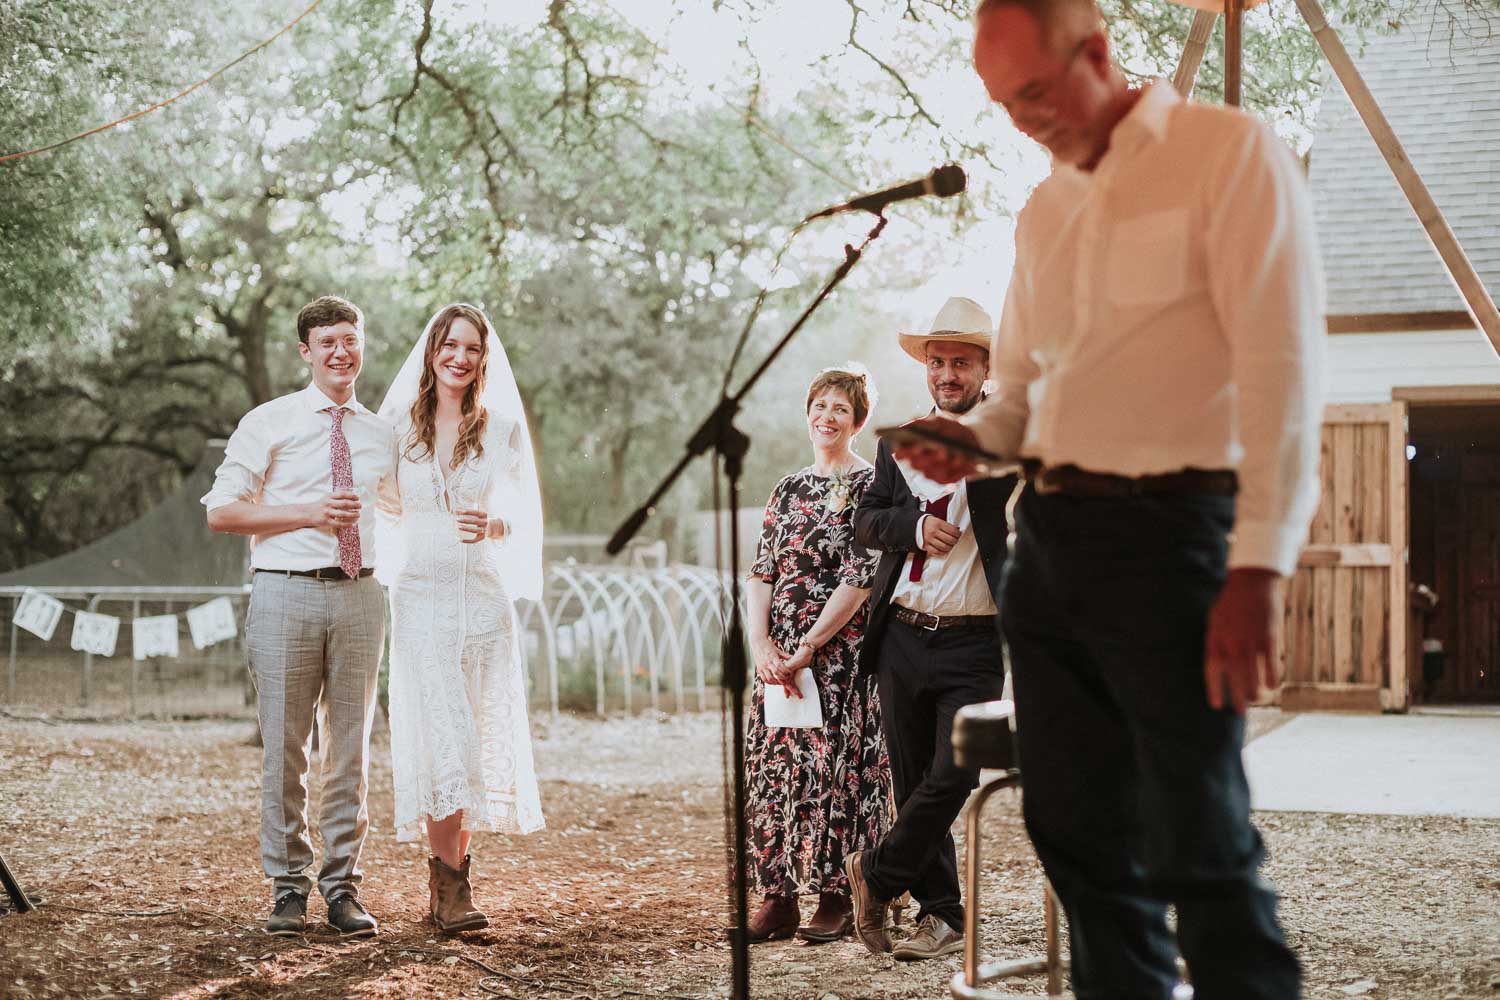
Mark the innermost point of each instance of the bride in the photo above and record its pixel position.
(460, 535)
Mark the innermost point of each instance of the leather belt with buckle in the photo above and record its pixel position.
(322, 573)
(1073, 481)
(921, 619)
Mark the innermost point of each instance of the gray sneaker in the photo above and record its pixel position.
(289, 918)
(933, 939)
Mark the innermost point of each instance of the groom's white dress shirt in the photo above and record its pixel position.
(279, 454)
(953, 584)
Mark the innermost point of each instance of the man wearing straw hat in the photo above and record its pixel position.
(1157, 367)
(932, 639)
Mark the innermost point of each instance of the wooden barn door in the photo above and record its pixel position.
(1342, 647)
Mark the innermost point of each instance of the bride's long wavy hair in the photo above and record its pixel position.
(422, 441)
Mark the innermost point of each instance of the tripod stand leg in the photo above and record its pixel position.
(18, 900)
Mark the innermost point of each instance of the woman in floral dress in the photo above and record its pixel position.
(815, 795)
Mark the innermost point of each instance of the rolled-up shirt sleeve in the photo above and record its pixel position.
(1266, 282)
(243, 472)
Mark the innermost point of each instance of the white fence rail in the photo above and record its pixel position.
(605, 637)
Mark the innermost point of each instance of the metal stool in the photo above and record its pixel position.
(982, 737)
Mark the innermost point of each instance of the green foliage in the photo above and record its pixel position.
(613, 215)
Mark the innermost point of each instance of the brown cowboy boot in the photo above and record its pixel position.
(454, 903)
(834, 919)
(871, 913)
(776, 919)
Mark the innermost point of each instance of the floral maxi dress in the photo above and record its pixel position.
(815, 795)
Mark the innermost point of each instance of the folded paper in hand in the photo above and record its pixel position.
(783, 712)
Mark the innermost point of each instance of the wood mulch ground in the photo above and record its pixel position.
(141, 839)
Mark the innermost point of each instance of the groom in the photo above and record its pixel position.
(299, 476)
(933, 645)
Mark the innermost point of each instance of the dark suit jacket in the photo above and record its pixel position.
(886, 521)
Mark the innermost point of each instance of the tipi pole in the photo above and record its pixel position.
(1234, 13)
(1480, 305)
(1192, 52)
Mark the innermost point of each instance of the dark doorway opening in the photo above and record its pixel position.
(1454, 481)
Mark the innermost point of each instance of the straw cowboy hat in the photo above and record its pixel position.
(960, 321)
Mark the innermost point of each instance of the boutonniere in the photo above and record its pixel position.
(840, 492)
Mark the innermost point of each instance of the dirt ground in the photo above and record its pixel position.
(141, 839)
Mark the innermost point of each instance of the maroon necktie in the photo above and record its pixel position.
(350, 559)
(937, 508)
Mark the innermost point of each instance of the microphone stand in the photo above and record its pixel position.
(18, 900)
(719, 433)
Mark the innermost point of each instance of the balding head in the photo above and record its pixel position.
(1047, 62)
(1063, 22)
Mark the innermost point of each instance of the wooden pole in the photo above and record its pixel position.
(1475, 297)
(1234, 11)
(1192, 52)
(1397, 693)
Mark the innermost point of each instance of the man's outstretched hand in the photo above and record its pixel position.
(933, 460)
(1243, 626)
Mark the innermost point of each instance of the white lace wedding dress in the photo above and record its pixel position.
(459, 736)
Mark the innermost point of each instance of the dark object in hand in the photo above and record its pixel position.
(908, 435)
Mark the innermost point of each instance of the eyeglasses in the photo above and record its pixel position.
(1034, 97)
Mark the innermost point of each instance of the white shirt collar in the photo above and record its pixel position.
(317, 400)
(1147, 121)
(1151, 113)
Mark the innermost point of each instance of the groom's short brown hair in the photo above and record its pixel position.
(326, 310)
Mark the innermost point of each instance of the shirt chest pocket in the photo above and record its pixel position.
(1147, 260)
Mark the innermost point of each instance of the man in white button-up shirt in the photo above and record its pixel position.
(299, 476)
(1159, 351)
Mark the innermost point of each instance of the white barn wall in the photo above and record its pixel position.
(1364, 367)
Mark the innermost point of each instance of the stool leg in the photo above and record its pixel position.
(971, 911)
(971, 852)
(1054, 940)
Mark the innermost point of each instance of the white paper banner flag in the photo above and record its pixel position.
(39, 613)
(155, 636)
(806, 712)
(212, 622)
(94, 633)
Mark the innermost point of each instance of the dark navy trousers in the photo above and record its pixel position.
(1135, 794)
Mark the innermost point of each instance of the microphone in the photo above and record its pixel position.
(943, 182)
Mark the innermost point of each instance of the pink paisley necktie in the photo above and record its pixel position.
(939, 509)
(350, 559)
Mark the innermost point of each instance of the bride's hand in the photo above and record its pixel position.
(473, 524)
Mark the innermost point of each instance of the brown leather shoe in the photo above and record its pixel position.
(899, 906)
(869, 911)
(934, 939)
(776, 919)
(455, 905)
(834, 919)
